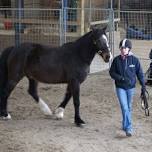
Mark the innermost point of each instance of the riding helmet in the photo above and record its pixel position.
(125, 43)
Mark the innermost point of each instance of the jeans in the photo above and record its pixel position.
(125, 98)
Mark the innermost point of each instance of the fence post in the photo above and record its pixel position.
(64, 15)
(18, 26)
(61, 27)
(82, 17)
(111, 29)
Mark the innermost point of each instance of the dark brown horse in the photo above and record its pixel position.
(69, 64)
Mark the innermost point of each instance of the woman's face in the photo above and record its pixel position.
(124, 51)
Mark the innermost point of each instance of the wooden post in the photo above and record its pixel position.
(119, 9)
(118, 15)
(82, 17)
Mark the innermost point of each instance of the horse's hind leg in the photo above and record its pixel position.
(34, 93)
(10, 85)
(2, 86)
(59, 112)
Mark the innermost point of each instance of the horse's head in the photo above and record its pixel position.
(101, 43)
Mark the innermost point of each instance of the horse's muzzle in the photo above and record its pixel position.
(107, 58)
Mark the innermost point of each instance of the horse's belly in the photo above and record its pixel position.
(51, 79)
(47, 77)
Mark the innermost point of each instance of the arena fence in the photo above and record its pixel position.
(52, 27)
(57, 26)
(137, 26)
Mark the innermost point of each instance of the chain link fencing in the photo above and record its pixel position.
(52, 27)
(137, 26)
(57, 26)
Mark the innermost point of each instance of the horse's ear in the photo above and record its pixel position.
(93, 27)
(104, 29)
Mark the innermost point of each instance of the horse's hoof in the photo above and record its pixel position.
(80, 123)
(59, 113)
(44, 108)
(8, 117)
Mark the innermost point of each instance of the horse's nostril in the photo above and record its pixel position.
(107, 57)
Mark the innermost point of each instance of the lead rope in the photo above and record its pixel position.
(144, 102)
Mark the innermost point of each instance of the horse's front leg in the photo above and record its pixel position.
(59, 112)
(75, 89)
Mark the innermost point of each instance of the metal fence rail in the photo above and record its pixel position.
(137, 26)
(52, 26)
(32, 25)
(57, 26)
(69, 21)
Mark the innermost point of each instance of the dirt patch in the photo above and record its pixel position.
(30, 131)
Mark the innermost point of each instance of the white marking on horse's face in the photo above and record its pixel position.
(106, 40)
(111, 57)
(44, 107)
(59, 113)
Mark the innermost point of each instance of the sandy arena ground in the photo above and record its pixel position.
(30, 131)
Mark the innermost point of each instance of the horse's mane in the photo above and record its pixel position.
(87, 35)
(78, 41)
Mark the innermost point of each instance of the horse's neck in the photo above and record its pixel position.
(86, 50)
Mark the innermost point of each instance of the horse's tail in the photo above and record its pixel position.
(3, 67)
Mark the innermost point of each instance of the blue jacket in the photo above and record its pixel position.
(124, 72)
